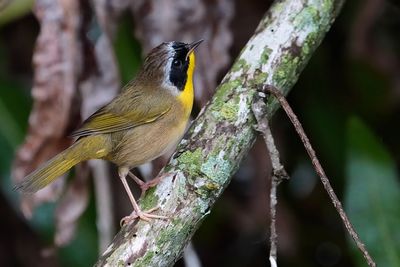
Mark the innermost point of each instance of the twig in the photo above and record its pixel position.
(190, 256)
(105, 215)
(278, 175)
(99, 88)
(320, 171)
(71, 206)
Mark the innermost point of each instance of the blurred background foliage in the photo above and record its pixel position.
(348, 100)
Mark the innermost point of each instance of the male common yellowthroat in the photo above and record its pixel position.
(145, 120)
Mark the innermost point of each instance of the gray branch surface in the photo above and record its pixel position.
(222, 135)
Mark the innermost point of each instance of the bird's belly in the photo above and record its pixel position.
(145, 143)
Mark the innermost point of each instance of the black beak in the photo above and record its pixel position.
(191, 47)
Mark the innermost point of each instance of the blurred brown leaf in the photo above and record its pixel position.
(4, 4)
(56, 61)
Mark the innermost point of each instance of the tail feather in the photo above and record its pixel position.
(47, 173)
(83, 149)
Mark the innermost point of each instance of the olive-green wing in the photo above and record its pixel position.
(109, 120)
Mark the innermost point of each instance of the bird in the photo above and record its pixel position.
(147, 119)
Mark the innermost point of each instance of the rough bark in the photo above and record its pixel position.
(221, 136)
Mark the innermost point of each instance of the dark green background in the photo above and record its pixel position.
(349, 106)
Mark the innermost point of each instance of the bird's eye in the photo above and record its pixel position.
(177, 63)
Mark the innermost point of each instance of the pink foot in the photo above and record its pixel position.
(145, 216)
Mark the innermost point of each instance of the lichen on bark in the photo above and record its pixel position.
(222, 135)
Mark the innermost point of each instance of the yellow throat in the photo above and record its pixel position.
(187, 95)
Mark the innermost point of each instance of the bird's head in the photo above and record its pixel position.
(170, 65)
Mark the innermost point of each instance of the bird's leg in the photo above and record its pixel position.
(144, 186)
(137, 212)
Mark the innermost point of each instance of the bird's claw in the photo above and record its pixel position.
(142, 215)
(147, 185)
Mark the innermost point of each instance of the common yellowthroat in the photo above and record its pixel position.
(145, 120)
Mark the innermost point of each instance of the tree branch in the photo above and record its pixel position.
(222, 135)
(321, 173)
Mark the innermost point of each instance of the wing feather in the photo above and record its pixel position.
(113, 118)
